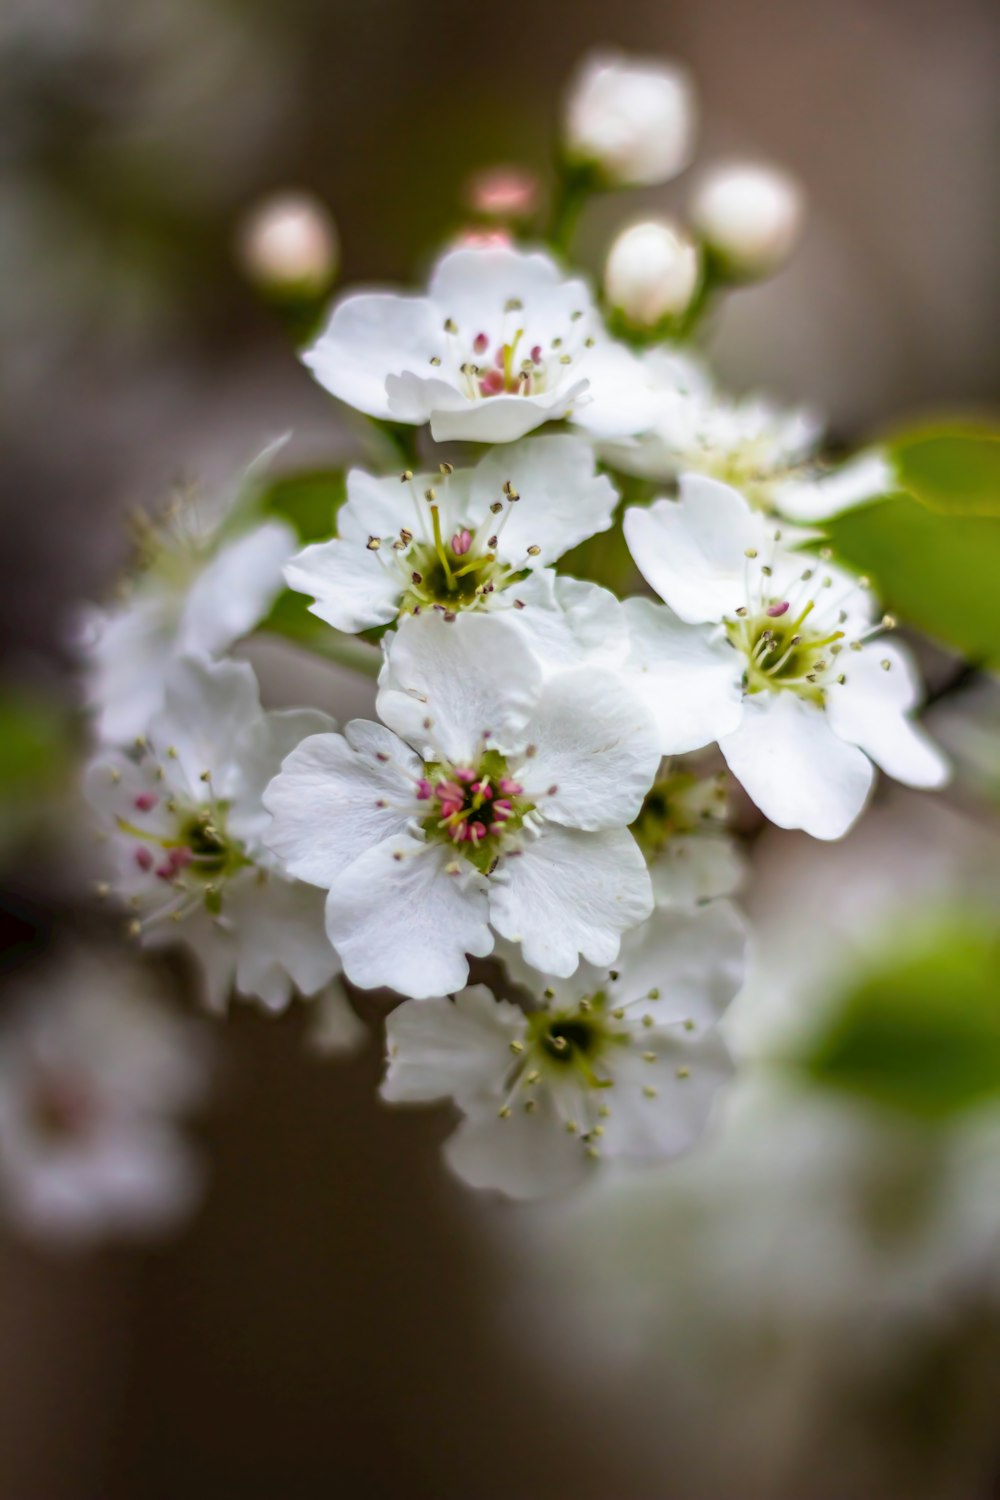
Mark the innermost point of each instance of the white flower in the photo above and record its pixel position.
(772, 656)
(750, 216)
(651, 273)
(765, 451)
(209, 576)
(94, 1073)
(631, 119)
(500, 344)
(467, 539)
(681, 831)
(501, 800)
(613, 1064)
(185, 827)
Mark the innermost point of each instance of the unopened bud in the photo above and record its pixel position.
(633, 119)
(502, 192)
(750, 216)
(651, 273)
(288, 243)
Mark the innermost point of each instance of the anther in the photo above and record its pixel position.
(534, 551)
(496, 507)
(446, 469)
(450, 326)
(513, 304)
(649, 1092)
(750, 552)
(888, 622)
(517, 1047)
(649, 1057)
(683, 1072)
(885, 664)
(374, 543)
(406, 476)
(416, 577)
(648, 1021)
(430, 495)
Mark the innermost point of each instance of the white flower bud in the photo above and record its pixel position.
(750, 215)
(651, 273)
(632, 119)
(288, 242)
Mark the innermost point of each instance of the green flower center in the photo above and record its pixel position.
(474, 808)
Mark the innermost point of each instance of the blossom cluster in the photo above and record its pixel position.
(527, 844)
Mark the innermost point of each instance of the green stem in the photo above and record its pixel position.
(573, 187)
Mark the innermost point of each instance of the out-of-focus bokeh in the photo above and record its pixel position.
(805, 1310)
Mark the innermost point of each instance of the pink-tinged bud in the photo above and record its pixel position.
(288, 242)
(503, 192)
(776, 610)
(144, 859)
(492, 383)
(480, 343)
(461, 542)
(145, 802)
(536, 354)
(424, 790)
(483, 239)
(510, 788)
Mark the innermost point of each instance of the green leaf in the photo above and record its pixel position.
(309, 500)
(921, 1031)
(290, 617)
(952, 469)
(936, 572)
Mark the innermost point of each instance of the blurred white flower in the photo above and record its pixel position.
(681, 831)
(631, 119)
(209, 575)
(94, 1074)
(651, 273)
(184, 825)
(750, 215)
(288, 243)
(459, 540)
(613, 1064)
(499, 344)
(495, 798)
(766, 652)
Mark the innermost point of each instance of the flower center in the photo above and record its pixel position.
(573, 1042)
(510, 361)
(476, 809)
(678, 803)
(783, 652)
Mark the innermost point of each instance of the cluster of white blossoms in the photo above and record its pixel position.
(518, 801)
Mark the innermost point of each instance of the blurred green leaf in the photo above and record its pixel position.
(921, 1031)
(35, 761)
(953, 469)
(290, 617)
(934, 571)
(310, 501)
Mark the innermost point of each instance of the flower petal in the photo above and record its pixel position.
(370, 336)
(449, 685)
(281, 942)
(872, 709)
(696, 867)
(326, 803)
(563, 500)
(208, 706)
(503, 418)
(621, 401)
(659, 1109)
(596, 751)
(526, 1155)
(235, 591)
(257, 755)
(399, 919)
(790, 762)
(865, 478)
(571, 894)
(688, 676)
(692, 550)
(351, 588)
(458, 1049)
(691, 961)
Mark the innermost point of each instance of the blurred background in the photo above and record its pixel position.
(808, 1307)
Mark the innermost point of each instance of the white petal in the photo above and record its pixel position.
(620, 401)
(470, 677)
(524, 1156)
(208, 707)
(660, 1109)
(380, 506)
(566, 621)
(692, 550)
(368, 338)
(790, 762)
(472, 287)
(335, 1028)
(695, 959)
(571, 894)
(325, 803)
(503, 418)
(563, 500)
(696, 867)
(865, 478)
(399, 919)
(873, 709)
(459, 1049)
(258, 754)
(129, 654)
(688, 676)
(235, 591)
(596, 751)
(280, 938)
(351, 588)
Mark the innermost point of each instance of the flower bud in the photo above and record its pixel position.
(288, 244)
(505, 193)
(633, 120)
(750, 216)
(651, 273)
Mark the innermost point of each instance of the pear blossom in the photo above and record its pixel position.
(95, 1074)
(208, 574)
(681, 831)
(461, 540)
(631, 120)
(767, 452)
(496, 800)
(184, 828)
(771, 652)
(500, 343)
(651, 273)
(750, 215)
(610, 1064)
